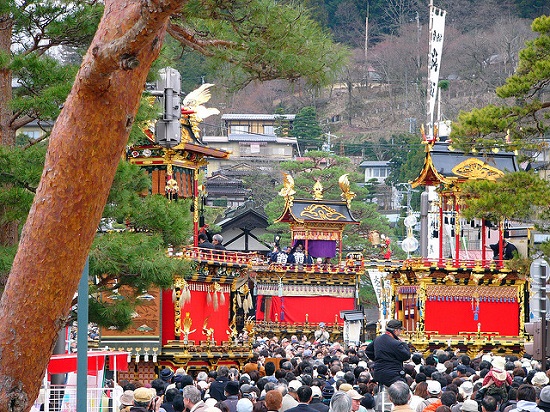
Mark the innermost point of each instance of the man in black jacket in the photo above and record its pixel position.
(217, 388)
(389, 352)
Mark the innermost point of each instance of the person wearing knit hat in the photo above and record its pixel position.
(544, 399)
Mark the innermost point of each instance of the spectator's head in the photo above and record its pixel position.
(527, 392)
(434, 389)
(304, 394)
(223, 371)
(143, 396)
(448, 398)
(489, 404)
(340, 402)
(399, 393)
(273, 400)
(469, 405)
(245, 405)
(421, 389)
(269, 368)
(232, 388)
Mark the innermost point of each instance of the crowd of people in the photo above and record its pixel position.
(296, 375)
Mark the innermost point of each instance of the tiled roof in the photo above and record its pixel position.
(239, 116)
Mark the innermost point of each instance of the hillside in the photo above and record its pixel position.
(384, 95)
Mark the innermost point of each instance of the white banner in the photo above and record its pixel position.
(437, 19)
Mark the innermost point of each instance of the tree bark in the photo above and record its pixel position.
(85, 147)
(8, 231)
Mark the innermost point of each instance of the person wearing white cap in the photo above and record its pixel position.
(469, 405)
(434, 395)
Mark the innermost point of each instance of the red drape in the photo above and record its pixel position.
(318, 308)
(452, 317)
(66, 363)
(199, 310)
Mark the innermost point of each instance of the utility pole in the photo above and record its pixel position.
(544, 321)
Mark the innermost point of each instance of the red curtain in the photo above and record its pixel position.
(452, 317)
(293, 309)
(199, 310)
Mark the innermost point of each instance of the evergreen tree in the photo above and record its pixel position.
(306, 128)
(262, 40)
(520, 122)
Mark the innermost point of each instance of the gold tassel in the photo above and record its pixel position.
(187, 294)
(181, 302)
(222, 298)
(250, 303)
(246, 308)
(209, 298)
(239, 300)
(174, 296)
(215, 301)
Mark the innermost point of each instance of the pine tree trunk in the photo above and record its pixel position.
(85, 147)
(8, 231)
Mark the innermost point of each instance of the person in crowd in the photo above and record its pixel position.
(509, 250)
(204, 243)
(273, 400)
(244, 405)
(400, 395)
(489, 404)
(217, 388)
(231, 392)
(389, 352)
(317, 400)
(168, 399)
(340, 402)
(304, 397)
(434, 397)
(126, 401)
(527, 399)
(321, 335)
(544, 399)
(469, 405)
(217, 240)
(420, 394)
(192, 399)
(145, 399)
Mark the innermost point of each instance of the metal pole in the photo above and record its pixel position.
(544, 322)
(424, 224)
(82, 342)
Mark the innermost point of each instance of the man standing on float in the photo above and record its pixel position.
(389, 352)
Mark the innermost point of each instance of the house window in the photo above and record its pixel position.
(378, 172)
(269, 130)
(239, 129)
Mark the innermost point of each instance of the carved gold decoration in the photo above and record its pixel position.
(287, 191)
(473, 168)
(187, 322)
(208, 332)
(321, 212)
(346, 195)
(318, 191)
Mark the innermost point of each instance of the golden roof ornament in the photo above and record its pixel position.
(287, 191)
(318, 190)
(193, 105)
(347, 195)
